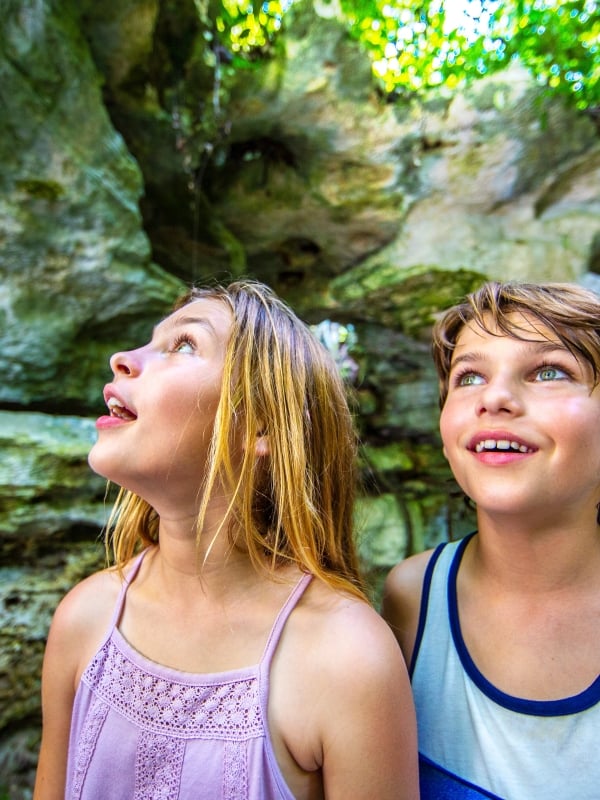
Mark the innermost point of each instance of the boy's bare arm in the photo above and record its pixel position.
(402, 600)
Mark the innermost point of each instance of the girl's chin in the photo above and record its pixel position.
(107, 469)
(95, 463)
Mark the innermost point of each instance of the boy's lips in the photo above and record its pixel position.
(499, 441)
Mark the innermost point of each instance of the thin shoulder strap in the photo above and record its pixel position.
(127, 580)
(281, 619)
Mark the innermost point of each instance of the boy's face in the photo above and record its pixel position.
(521, 424)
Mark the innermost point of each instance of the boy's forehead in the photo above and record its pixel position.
(522, 327)
(525, 333)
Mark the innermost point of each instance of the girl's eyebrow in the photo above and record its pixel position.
(179, 322)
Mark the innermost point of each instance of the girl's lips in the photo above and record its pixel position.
(107, 421)
(117, 407)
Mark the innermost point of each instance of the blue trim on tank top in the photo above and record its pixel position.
(427, 764)
(425, 592)
(539, 708)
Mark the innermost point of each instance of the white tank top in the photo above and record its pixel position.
(475, 740)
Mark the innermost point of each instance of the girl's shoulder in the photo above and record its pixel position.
(83, 617)
(86, 607)
(95, 595)
(347, 707)
(90, 594)
(342, 628)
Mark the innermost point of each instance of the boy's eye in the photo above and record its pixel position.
(469, 379)
(550, 374)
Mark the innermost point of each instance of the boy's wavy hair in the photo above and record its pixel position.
(295, 504)
(571, 312)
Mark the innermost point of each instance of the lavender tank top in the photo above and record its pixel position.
(143, 731)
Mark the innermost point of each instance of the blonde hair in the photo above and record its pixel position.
(294, 505)
(570, 312)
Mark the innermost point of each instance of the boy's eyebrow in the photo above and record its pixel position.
(539, 346)
(470, 356)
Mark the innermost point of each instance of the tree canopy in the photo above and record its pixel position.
(417, 47)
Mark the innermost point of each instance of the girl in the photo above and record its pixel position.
(502, 629)
(230, 652)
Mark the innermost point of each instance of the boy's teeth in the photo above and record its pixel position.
(500, 444)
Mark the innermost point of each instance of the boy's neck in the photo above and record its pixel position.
(535, 559)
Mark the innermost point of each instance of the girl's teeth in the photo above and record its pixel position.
(117, 410)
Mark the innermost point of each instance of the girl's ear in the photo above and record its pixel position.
(261, 446)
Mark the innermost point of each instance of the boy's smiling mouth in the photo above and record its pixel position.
(499, 442)
(491, 445)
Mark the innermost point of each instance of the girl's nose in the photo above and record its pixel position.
(126, 362)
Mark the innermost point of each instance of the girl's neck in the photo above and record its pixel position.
(176, 571)
(184, 560)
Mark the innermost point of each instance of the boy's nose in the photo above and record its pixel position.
(499, 396)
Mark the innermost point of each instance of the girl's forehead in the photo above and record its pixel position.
(210, 312)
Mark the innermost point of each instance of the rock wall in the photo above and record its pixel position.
(135, 160)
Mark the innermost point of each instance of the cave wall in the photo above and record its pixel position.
(136, 160)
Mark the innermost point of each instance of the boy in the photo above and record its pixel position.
(502, 629)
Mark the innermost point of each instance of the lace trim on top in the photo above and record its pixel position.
(235, 771)
(85, 747)
(229, 709)
(158, 765)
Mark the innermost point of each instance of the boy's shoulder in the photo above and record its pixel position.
(405, 580)
(402, 599)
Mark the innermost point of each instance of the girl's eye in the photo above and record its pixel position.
(550, 373)
(183, 344)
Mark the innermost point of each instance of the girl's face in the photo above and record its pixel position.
(521, 424)
(162, 404)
